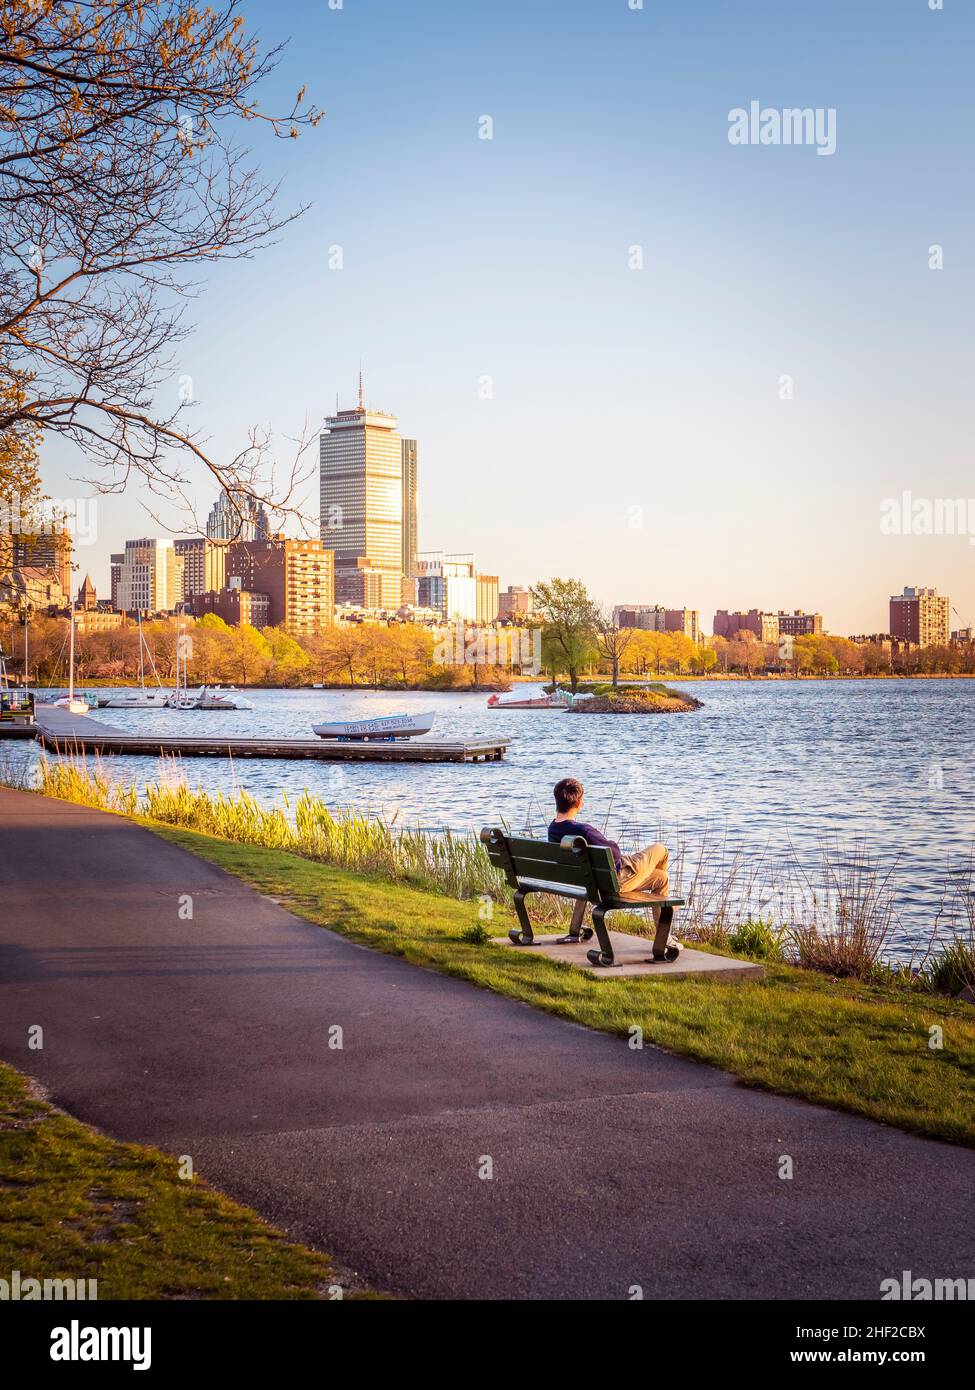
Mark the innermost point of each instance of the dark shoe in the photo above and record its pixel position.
(670, 952)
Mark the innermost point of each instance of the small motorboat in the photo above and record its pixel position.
(135, 699)
(384, 726)
(559, 699)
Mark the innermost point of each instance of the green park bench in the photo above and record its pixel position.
(580, 871)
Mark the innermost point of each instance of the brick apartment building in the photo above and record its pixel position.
(765, 626)
(298, 577)
(654, 617)
(235, 605)
(800, 624)
(922, 616)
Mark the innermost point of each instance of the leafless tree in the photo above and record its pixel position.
(612, 641)
(119, 181)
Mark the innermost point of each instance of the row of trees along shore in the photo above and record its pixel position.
(408, 655)
(399, 655)
(580, 640)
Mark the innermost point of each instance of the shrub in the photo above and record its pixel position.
(759, 938)
(953, 967)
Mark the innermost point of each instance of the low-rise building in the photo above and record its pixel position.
(764, 626)
(236, 606)
(514, 603)
(98, 620)
(800, 624)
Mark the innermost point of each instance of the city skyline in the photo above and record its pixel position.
(573, 398)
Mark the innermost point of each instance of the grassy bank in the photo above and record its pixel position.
(77, 1205)
(839, 920)
(862, 1048)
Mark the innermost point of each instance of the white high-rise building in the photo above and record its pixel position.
(150, 577)
(448, 584)
(362, 505)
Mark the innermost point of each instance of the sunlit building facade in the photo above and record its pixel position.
(361, 471)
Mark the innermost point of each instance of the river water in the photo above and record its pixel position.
(763, 765)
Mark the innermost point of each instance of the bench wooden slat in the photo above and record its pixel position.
(566, 868)
(561, 863)
(547, 885)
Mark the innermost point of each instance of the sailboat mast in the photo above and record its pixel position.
(71, 657)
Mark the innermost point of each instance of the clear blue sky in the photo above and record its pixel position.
(616, 390)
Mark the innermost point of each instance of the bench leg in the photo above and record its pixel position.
(604, 956)
(526, 936)
(577, 932)
(661, 951)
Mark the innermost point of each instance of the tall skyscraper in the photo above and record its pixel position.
(410, 507)
(204, 565)
(361, 463)
(922, 616)
(151, 577)
(235, 516)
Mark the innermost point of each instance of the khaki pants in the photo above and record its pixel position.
(646, 872)
(643, 872)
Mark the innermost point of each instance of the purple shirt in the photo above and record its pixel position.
(560, 828)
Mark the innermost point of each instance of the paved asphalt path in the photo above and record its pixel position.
(612, 1167)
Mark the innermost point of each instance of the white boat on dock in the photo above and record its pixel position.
(71, 702)
(142, 698)
(384, 726)
(208, 697)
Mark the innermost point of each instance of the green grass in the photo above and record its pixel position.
(77, 1205)
(860, 1047)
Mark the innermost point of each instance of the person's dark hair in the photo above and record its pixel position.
(568, 793)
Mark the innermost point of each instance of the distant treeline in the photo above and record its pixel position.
(408, 655)
(400, 655)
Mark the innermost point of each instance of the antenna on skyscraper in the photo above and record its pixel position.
(362, 394)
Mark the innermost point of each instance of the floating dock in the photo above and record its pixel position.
(63, 732)
(19, 729)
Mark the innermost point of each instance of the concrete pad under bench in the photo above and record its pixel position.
(632, 954)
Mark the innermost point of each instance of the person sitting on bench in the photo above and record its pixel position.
(643, 872)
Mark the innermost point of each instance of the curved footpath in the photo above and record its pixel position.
(612, 1167)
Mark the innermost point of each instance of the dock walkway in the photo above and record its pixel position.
(63, 732)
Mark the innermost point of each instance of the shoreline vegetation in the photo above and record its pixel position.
(836, 916)
(510, 682)
(567, 641)
(652, 699)
(882, 1043)
(124, 1215)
